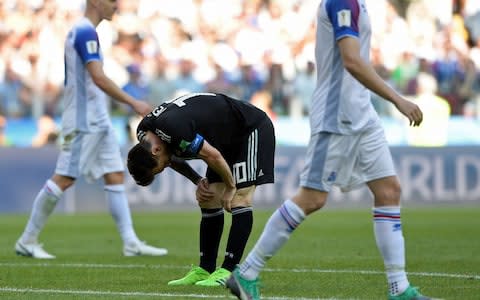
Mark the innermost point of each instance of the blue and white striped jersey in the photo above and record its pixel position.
(85, 108)
(340, 103)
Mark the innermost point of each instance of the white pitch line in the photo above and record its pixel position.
(137, 294)
(108, 293)
(367, 272)
(139, 266)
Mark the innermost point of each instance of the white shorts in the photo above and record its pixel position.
(90, 155)
(346, 161)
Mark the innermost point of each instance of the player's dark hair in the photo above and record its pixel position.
(140, 163)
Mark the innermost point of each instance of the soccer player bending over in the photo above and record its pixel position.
(347, 148)
(237, 142)
(90, 147)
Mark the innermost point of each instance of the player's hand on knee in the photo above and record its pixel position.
(203, 193)
(228, 197)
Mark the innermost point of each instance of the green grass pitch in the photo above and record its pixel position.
(332, 255)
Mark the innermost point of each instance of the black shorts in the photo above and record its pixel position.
(251, 160)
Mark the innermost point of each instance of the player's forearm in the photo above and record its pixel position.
(182, 167)
(216, 162)
(367, 76)
(220, 166)
(363, 71)
(110, 88)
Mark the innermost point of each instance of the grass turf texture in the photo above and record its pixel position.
(332, 255)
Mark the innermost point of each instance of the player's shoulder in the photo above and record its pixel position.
(333, 6)
(83, 29)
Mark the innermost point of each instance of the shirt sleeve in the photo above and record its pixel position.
(179, 134)
(86, 44)
(142, 130)
(344, 15)
(193, 148)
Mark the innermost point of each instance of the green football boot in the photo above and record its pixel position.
(411, 293)
(242, 288)
(217, 278)
(195, 275)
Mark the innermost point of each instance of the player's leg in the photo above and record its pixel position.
(244, 282)
(118, 206)
(387, 228)
(105, 159)
(43, 206)
(120, 211)
(211, 229)
(67, 169)
(242, 222)
(251, 160)
(240, 229)
(284, 220)
(378, 169)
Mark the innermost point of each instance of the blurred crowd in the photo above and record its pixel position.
(256, 50)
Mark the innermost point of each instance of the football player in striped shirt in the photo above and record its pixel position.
(237, 142)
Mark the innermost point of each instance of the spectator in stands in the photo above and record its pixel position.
(472, 23)
(135, 86)
(160, 87)
(15, 97)
(382, 107)
(263, 100)
(185, 82)
(4, 140)
(448, 71)
(47, 132)
(276, 84)
(220, 83)
(249, 82)
(406, 69)
(434, 129)
(249, 28)
(303, 87)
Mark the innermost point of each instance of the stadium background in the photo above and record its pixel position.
(259, 51)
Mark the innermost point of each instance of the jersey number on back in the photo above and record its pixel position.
(180, 101)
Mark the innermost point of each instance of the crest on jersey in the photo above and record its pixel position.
(184, 145)
(92, 47)
(344, 18)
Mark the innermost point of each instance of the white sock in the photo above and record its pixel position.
(387, 227)
(43, 205)
(275, 234)
(120, 211)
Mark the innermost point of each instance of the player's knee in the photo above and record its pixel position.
(63, 182)
(210, 204)
(390, 193)
(310, 200)
(312, 206)
(243, 197)
(114, 178)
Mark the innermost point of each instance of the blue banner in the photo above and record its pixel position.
(428, 176)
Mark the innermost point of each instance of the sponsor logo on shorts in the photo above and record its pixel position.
(332, 177)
